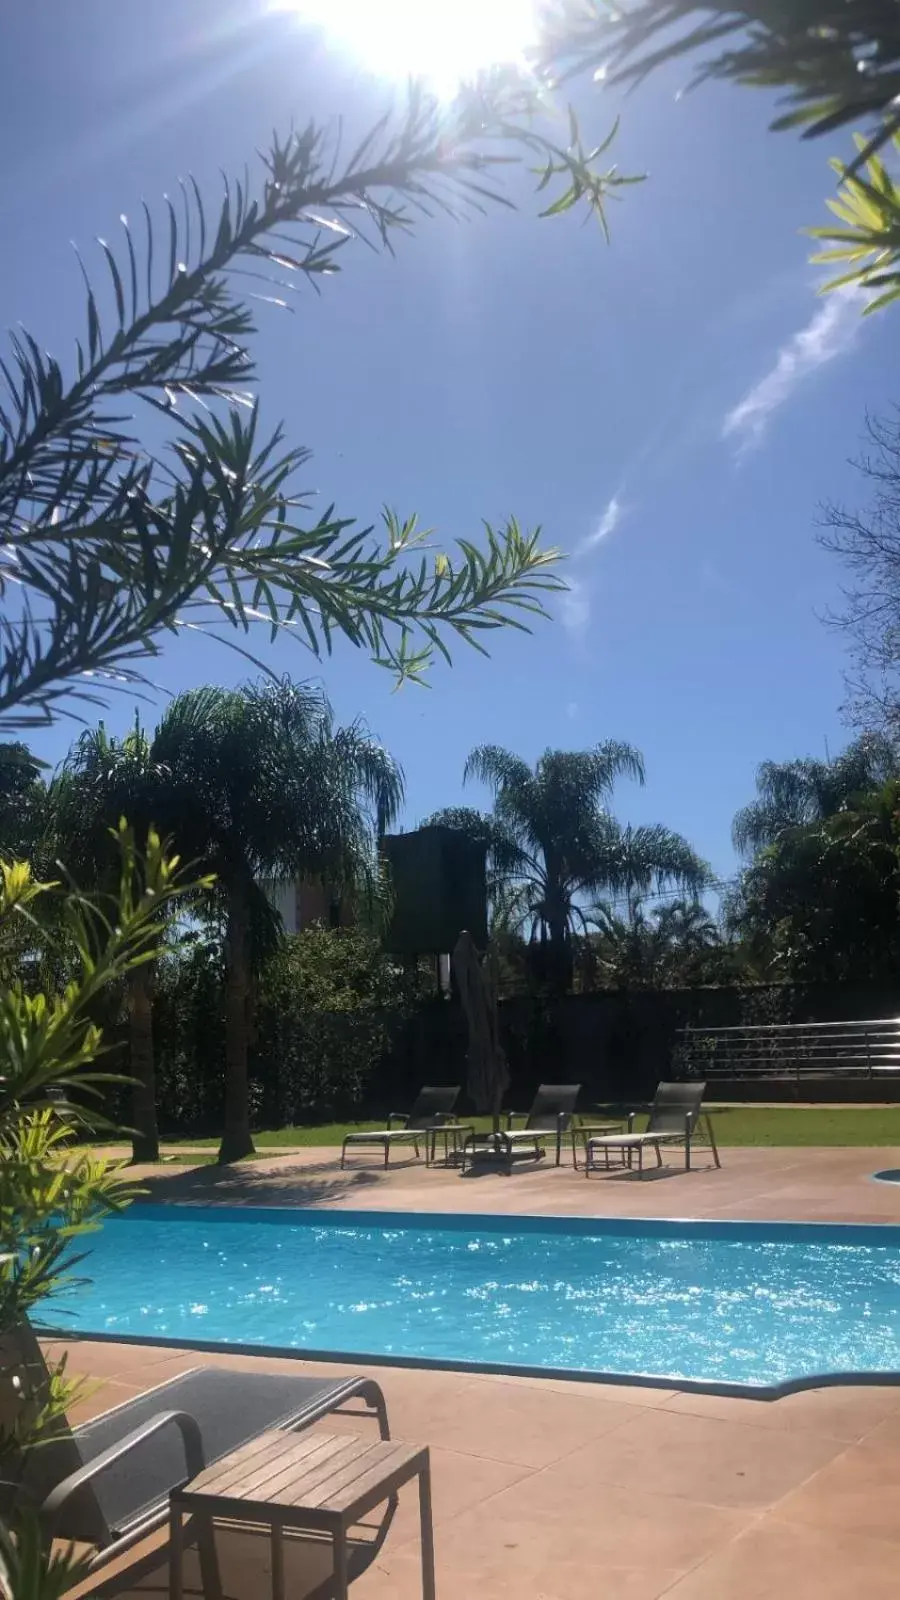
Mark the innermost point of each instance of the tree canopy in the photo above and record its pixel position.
(553, 845)
(791, 794)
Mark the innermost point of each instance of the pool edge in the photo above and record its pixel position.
(735, 1391)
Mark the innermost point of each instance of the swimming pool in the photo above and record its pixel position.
(708, 1303)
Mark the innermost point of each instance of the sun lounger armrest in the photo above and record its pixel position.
(397, 1116)
(512, 1116)
(631, 1117)
(194, 1461)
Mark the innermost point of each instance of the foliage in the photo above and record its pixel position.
(50, 1087)
(868, 543)
(827, 895)
(50, 1194)
(102, 780)
(22, 801)
(553, 844)
(674, 946)
(791, 794)
(29, 1572)
(868, 244)
(329, 1001)
(838, 63)
(107, 545)
(261, 784)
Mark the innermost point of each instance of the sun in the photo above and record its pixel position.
(445, 42)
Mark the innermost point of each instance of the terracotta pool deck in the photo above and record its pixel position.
(560, 1491)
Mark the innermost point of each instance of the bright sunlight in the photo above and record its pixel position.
(445, 42)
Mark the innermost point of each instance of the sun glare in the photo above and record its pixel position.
(446, 42)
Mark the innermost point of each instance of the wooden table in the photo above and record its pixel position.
(320, 1483)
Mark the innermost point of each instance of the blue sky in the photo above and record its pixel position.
(672, 408)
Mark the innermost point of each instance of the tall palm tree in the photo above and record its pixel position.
(102, 779)
(263, 785)
(792, 794)
(560, 845)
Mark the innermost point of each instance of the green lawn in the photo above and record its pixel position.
(734, 1125)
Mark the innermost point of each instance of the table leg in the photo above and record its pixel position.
(278, 1592)
(176, 1543)
(341, 1584)
(210, 1576)
(426, 1532)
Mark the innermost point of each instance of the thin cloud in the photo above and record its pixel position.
(829, 333)
(607, 524)
(575, 606)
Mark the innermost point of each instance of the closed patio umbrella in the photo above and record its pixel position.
(476, 980)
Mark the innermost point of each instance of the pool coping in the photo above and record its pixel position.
(734, 1391)
(493, 1222)
(501, 1222)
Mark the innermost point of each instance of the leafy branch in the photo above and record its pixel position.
(869, 242)
(839, 63)
(106, 545)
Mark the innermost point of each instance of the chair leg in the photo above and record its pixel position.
(387, 1151)
(712, 1140)
(659, 1160)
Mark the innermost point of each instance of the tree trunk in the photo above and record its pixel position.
(145, 1139)
(560, 953)
(236, 1140)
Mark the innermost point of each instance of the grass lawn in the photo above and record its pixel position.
(734, 1125)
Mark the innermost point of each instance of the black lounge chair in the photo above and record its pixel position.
(549, 1118)
(675, 1116)
(106, 1483)
(432, 1111)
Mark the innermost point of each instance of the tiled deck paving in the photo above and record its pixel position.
(558, 1490)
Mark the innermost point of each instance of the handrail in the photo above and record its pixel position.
(867, 1048)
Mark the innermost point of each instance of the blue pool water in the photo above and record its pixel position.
(745, 1303)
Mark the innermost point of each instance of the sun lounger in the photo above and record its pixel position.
(106, 1483)
(432, 1110)
(676, 1114)
(549, 1118)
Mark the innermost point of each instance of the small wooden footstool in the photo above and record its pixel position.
(319, 1483)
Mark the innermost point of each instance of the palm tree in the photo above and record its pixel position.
(557, 844)
(793, 794)
(104, 778)
(22, 801)
(262, 786)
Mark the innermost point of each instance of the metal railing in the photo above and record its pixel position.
(791, 1050)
